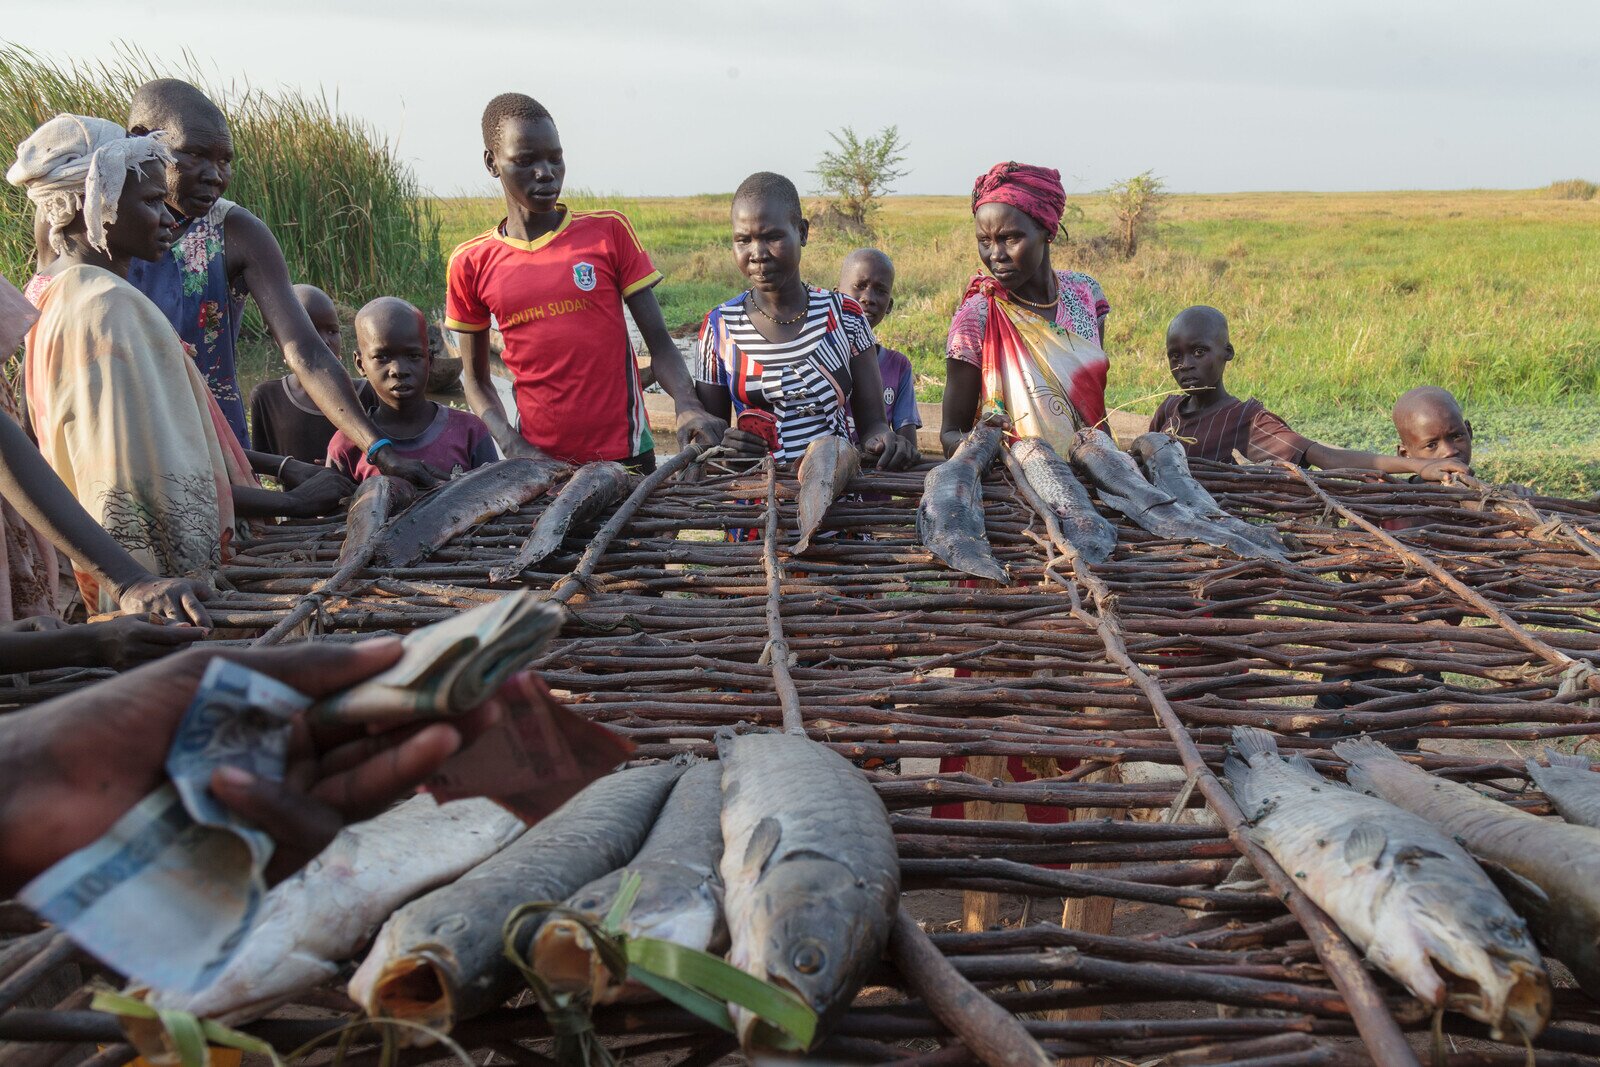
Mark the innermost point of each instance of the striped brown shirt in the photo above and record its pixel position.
(1243, 426)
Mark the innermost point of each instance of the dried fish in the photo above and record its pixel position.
(826, 468)
(1091, 533)
(1166, 463)
(1572, 785)
(950, 516)
(590, 491)
(461, 504)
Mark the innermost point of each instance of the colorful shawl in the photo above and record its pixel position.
(1046, 381)
(126, 420)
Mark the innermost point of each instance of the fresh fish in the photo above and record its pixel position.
(590, 492)
(1411, 898)
(950, 516)
(441, 958)
(826, 468)
(1572, 786)
(1550, 869)
(1167, 465)
(375, 500)
(309, 925)
(1088, 531)
(1122, 487)
(461, 504)
(810, 870)
(679, 897)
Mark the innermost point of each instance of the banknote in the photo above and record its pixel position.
(536, 758)
(166, 895)
(453, 666)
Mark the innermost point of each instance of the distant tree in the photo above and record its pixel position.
(1136, 201)
(861, 170)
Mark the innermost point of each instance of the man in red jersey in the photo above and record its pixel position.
(555, 280)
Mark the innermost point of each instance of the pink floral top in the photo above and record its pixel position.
(1078, 308)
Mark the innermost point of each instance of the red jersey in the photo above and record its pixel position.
(558, 302)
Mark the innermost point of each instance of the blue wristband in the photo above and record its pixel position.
(372, 449)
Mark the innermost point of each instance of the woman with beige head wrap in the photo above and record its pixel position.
(120, 411)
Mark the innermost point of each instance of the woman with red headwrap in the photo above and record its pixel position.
(1026, 343)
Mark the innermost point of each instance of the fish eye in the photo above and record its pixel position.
(809, 959)
(590, 904)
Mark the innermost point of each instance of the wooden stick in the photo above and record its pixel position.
(993, 1034)
(777, 650)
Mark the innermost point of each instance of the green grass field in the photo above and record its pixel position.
(1339, 302)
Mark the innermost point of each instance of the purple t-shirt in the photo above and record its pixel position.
(453, 439)
(899, 389)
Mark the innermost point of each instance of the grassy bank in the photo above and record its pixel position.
(1339, 302)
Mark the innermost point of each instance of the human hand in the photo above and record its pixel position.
(743, 442)
(59, 791)
(418, 473)
(324, 493)
(33, 624)
(129, 640)
(518, 447)
(697, 426)
(1439, 470)
(296, 472)
(888, 451)
(177, 599)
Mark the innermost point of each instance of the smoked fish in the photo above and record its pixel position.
(441, 959)
(461, 504)
(679, 898)
(810, 869)
(1549, 869)
(1088, 531)
(950, 516)
(1411, 898)
(376, 501)
(1116, 476)
(1166, 463)
(826, 468)
(588, 493)
(1572, 785)
(311, 923)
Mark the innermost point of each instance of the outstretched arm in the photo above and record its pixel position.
(30, 486)
(963, 385)
(883, 447)
(1329, 458)
(695, 424)
(255, 258)
(484, 400)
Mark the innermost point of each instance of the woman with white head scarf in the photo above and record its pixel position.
(120, 411)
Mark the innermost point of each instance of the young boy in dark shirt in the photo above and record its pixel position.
(284, 420)
(867, 277)
(1219, 424)
(392, 351)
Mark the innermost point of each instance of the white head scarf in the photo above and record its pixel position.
(76, 163)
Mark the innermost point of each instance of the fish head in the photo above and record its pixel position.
(815, 932)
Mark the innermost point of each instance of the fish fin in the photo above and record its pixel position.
(1523, 895)
(1235, 769)
(1252, 741)
(1300, 765)
(1562, 759)
(1358, 750)
(1365, 845)
(1357, 778)
(762, 844)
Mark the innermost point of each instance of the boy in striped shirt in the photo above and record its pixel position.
(555, 281)
(1220, 424)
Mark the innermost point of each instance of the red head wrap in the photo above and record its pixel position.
(1034, 191)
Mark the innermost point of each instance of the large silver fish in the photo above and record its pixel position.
(1121, 486)
(1572, 785)
(375, 501)
(1550, 869)
(1411, 898)
(311, 923)
(587, 494)
(826, 468)
(441, 958)
(811, 874)
(1167, 464)
(950, 516)
(461, 504)
(1088, 531)
(679, 897)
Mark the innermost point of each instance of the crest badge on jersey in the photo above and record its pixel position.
(583, 276)
(888, 398)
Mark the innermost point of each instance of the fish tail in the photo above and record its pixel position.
(1235, 770)
(1358, 750)
(1562, 759)
(1252, 741)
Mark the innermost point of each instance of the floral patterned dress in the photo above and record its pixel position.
(191, 288)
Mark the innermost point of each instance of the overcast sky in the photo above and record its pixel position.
(692, 95)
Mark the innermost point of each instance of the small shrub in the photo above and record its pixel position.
(1136, 202)
(861, 171)
(1573, 189)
